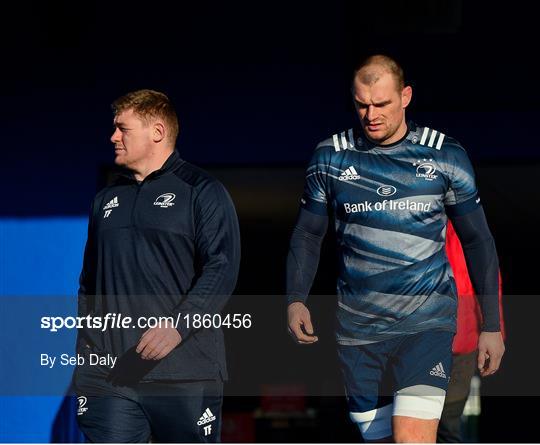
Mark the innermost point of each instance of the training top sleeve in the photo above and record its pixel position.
(217, 245)
(87, 278)
(462, 194)
(315, 197)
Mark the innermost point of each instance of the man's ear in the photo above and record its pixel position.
(406, 96)
(158, 132)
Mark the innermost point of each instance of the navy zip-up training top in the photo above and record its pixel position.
(167, 245)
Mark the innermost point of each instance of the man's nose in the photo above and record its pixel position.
(371, 113)
(115, 136)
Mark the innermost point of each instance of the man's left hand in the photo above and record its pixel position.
(490, 352)
(157, 343)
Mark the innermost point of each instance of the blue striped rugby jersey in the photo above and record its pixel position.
(390, 206)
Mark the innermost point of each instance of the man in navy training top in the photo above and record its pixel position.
(389, 186)
(163, 241)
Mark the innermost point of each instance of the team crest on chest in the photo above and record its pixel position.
(425, 168)
(165, 201)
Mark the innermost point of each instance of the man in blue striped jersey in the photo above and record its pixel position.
(389, 187)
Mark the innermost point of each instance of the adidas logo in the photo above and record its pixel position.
(111, 204)
(438, 371)
(349, 174)
(207, 417)
(432, 138)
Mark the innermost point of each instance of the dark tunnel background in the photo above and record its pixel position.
(256, 86)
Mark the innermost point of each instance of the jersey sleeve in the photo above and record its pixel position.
(462, 195)
(304, 253)
(315, 196)
(87, 279)
(217, 254)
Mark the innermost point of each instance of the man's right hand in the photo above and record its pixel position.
(298, 317)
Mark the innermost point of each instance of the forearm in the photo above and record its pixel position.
(304, 253)
(482, 264)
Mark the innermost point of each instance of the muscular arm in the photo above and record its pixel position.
(304, 253)
(305, 246)
(302, 262)
(482, 264)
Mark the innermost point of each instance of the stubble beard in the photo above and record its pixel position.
(390, 133)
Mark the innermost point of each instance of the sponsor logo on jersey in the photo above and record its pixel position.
(164, 201)
(387, 204)
(438, 371)
(425, 169)
(206, 417)
(81, 400)
(349, 174)
(386, 190)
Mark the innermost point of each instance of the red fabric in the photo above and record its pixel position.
(469, 315)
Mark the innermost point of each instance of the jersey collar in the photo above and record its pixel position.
(172, 163)
(408, 136)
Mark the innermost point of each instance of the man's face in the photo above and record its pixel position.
(381, 108)
(132, 140)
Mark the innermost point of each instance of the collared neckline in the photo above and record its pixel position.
(173, 161)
